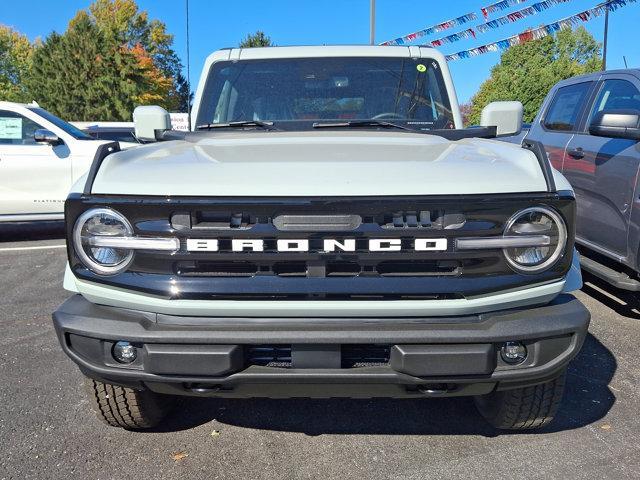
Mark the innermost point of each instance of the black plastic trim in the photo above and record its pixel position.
(102, 152)
(558, 329)
(543, 160)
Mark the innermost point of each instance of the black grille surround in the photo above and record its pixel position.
(315, 275)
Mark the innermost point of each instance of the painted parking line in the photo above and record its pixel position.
(41, 247)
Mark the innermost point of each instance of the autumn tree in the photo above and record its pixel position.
(110, 59)
(527, 72)
(258, 39)
(15, 59)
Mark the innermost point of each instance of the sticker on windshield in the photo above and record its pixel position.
(421, 68)
(10, 128)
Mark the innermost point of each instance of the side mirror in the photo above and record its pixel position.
(43, 135)
(505, 116)
(616, 124)
(150, 120)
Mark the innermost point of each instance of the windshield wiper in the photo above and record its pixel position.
(363, 123)
(247, 123)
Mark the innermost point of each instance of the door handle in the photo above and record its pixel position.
(576, 153)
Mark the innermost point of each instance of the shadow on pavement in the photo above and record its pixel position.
(623, 302)
(16, 232)
(587, 400)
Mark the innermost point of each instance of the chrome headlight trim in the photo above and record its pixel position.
(560, 246)
(89, 262)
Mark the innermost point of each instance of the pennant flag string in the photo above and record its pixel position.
(519, 15)
(537, 33)
(433, 29)
(499, 6)
(469, 33)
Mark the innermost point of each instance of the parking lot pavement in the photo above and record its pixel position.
(47, 430)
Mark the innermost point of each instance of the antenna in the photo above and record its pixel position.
(625, 61)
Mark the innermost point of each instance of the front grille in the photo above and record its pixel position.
(353, 273)
(397, 268)
(268, 355)
(359, 356)
(352, 356)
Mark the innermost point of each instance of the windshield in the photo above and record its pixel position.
(61, 124)
(296, 93)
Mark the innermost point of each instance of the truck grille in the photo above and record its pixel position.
(360, 273)
(352, 356)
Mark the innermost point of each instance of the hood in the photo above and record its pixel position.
(320, 164)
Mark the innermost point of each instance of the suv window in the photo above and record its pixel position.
(616, 95)
(564, 112)
(16, 129)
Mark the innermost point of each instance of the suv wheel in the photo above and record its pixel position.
(127, 408)
(523, 408)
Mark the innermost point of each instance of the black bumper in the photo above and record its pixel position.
(413, 356)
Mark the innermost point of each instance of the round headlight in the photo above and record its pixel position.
(536, 221)
(102, 222)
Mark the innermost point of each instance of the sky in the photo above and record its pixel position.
(215, 24)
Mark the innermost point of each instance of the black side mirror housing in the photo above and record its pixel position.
(616, 124)
(43, 135)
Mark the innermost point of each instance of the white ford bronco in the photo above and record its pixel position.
(326, 229)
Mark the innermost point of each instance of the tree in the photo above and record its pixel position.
(110, 59)
(527, 72)
(85, 75)
(15, 59)
(122, 21)
(258, 39)
(465, 112)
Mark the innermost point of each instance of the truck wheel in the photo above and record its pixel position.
(127, 408)
(523, 408)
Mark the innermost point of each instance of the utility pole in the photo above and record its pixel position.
(606, 35)
(188, 71)
(372, 22)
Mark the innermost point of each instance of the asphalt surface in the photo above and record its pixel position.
(48, 431)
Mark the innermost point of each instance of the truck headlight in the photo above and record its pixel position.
(101, 224)
(536, 222)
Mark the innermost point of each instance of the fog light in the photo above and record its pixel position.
(124, 352)
(513, 352)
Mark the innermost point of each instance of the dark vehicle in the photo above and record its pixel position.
(590, 127)
(124, 134)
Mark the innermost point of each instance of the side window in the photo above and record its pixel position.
(616, 95)
(564, 112)
(16, 129)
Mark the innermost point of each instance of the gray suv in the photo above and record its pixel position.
(590, 129)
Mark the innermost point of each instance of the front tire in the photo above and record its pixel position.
(525, 408)
(127, 408)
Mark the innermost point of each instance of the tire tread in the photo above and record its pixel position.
(523, 408)
(125, 407)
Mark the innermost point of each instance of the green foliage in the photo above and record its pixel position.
(110, 59)
(258, 39)
(85, 75)
(527, 72)
(15, 59)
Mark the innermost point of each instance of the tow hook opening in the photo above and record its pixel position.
(202, 389)
(437, 388)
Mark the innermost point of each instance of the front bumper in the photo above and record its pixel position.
(432, 356)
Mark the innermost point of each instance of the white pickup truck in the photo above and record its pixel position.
(41, 156)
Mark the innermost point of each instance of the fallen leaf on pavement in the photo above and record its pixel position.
(177, 456)
(605, 426)
(215, 433)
